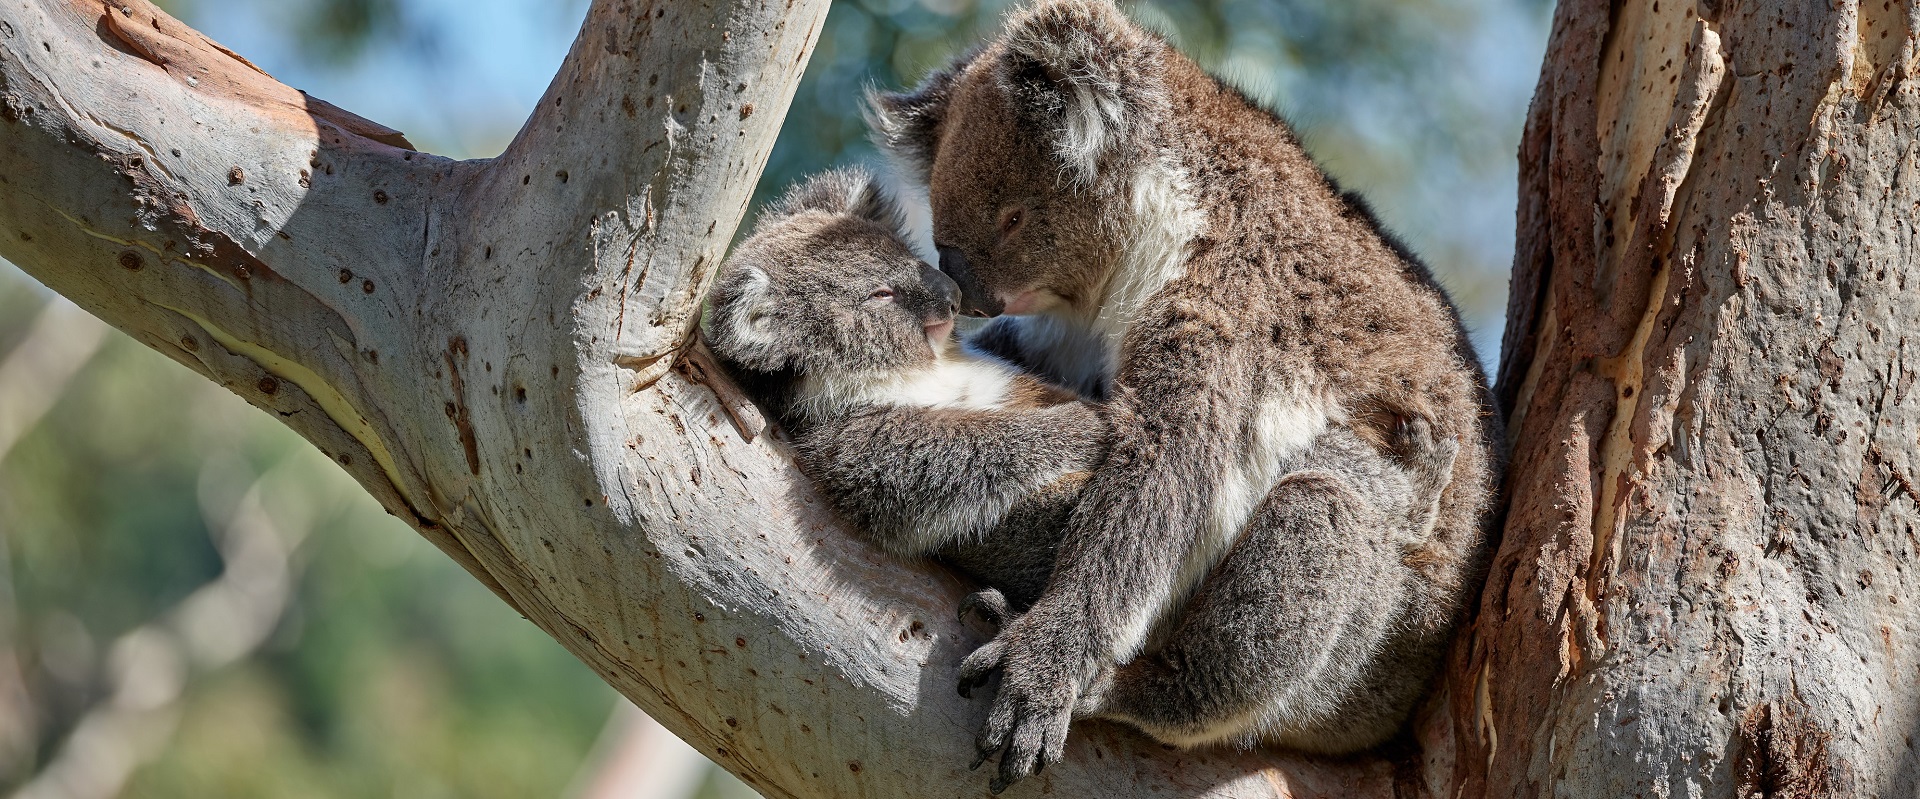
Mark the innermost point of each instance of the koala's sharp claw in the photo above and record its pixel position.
(979, 667)
(987, 605)
(998, 785)
(979, 760)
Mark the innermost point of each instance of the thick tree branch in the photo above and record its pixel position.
(489, 347)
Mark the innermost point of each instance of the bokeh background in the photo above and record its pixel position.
(195, 603)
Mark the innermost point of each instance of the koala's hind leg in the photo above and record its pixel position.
(1283, 631)
(1429, 459)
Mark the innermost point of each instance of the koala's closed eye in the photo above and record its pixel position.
(881, 295)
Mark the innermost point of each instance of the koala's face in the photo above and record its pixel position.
(1017, 235)
(821, 293)
(1028, 150)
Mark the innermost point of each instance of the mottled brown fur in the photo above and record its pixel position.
(1170, 244)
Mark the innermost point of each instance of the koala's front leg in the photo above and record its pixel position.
(1120, 556)
(916, 480)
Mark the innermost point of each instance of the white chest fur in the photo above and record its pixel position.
(1162, 221)
(1279, 432)
(957, 381)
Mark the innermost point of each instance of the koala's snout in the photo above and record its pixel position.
(945, 291)
(975, 300)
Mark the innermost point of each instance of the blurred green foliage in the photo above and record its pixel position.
(394, 673)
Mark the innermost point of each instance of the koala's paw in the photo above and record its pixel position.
(1039, 688)
(1416, 441)
(989, 606)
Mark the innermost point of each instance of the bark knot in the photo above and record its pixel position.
(1781, 754)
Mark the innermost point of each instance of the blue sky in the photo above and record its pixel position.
(459, 81)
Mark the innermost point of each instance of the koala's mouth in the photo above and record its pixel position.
(1025, 302)
(975, 300)
(938, 333)
(984, 306)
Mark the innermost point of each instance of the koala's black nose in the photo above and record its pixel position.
(945, 292)
(975, 300)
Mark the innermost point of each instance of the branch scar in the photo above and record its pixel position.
(330, 400)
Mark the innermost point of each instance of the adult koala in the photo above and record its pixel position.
(1163, 242)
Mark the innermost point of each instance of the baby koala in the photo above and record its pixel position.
(827, 318)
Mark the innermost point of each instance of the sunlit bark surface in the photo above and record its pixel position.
(1706, 586)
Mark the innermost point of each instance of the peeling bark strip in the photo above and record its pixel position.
(1782, 757)
(1708, 353)
(457, 407)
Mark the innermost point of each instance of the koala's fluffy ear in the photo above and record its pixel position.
(906, 125)
(741, 320)
(1090, 77)
(852, 191)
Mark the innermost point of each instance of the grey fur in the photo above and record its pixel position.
(989, 489)
(1175, 250)
(985, 487)
(1295, 561)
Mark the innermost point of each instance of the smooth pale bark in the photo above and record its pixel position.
(1707, 585)
(494, 349)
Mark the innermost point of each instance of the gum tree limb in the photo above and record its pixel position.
(493, 349)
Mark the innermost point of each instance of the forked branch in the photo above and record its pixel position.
(487, 347)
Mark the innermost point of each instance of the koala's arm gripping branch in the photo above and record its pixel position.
(1134, 529)
(1144, 514)
(1134, 533)
(881, 467)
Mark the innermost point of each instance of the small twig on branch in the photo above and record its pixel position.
(699, 365)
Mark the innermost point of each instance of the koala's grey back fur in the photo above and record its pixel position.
(1175, 248)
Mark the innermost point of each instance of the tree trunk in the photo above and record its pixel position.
(1702, 588)
(1706, 585)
